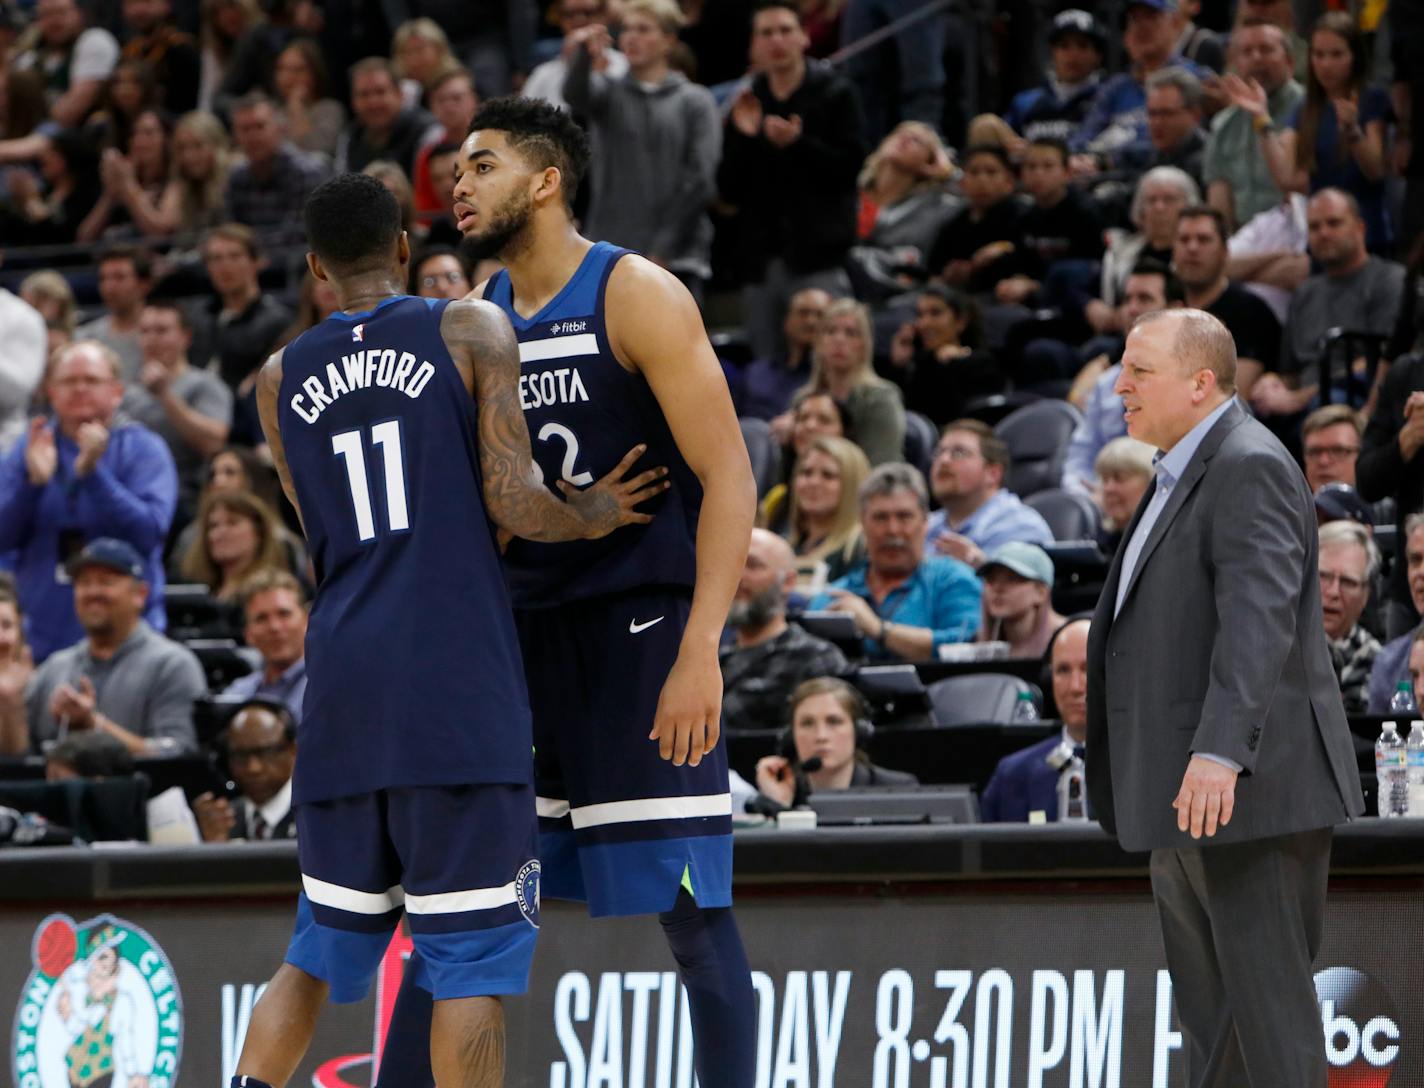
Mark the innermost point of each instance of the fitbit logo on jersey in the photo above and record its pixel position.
(1361, 1028)
(369, 369)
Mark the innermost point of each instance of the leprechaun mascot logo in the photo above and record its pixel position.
(101, 1009)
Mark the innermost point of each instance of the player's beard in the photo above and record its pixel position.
(507, 224)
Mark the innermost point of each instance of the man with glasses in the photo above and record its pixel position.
(260, 745)
(978, 515)
(1348, 561)
(1330, 439)
(581, 21)
(83, 473)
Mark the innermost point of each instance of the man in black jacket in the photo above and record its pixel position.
(791, 151)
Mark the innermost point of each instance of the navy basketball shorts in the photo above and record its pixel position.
(619, 826)
(461, 862)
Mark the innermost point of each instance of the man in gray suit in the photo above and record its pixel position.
(1216, 735)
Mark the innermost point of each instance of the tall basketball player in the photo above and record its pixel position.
(398, 435)
(619, 635)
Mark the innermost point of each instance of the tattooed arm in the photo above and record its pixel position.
(482, 343)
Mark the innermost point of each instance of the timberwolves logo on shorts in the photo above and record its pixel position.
(526, 892)
(101, 1009)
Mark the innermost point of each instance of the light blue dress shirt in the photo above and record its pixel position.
(1004, 518)
(1169, 469)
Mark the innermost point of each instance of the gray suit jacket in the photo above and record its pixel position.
(1220, 647)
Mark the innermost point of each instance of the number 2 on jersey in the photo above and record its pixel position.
(571, 450)
(348, 446)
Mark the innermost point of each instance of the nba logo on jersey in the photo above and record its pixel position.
(359, 333)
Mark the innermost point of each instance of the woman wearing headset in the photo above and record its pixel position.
(823, 747)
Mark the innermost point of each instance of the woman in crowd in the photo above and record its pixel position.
(134, 181)
(811, 415)
(1124, 471)
(439, 272)
(823, 511)
(1018, 606)
(131, 92)
(50, 216)
(840, 366)
(239, 535)
(1336, 139)
(224, 24)
(935, 358)
(49, 293)
(238, 469)
(830, 724)
(421, 52)
(16, 668)
(394, 179)
(22, 103)
(1157, 202)
(903, 203)
(313, 119)
(193, 198)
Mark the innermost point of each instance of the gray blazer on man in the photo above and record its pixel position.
(1220, 648)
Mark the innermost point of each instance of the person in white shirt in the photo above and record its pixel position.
(579, 20)
(23, 332)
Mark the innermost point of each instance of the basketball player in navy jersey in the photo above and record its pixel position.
(397, 431)
(619, 635)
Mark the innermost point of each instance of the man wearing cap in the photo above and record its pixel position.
(1076, 43)
(1216, 735)
(1349, 559)
(1018, 605)
(1116, 122)
(1027, 781)
(977, 515)
(122, 678)
(86, 473)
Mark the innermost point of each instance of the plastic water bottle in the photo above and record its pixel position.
(1024, 710)
(1073, 792)
(1391, 772)
(1402, 701)
(1414, 760)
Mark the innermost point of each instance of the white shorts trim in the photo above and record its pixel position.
(460, 902)
(351, 900)
(652, 808)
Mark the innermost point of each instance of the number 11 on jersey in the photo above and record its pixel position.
(348, 446)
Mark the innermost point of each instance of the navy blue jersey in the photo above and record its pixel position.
(585, 412)
(413, 668)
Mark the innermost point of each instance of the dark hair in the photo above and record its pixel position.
(172, 306)
(141, 259)
(1342, 25)
(964, 306)
(25, 101)
(1206, 211)
(544, 134)
(280, 711)
(352, 222)
(81, 157)
(1052, 143)
(988, 149)
(92, 754)
(261, 478)
(316, 63)
(1172, 289)
(777, 5)
(429, 252)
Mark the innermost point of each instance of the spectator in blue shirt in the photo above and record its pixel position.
(1117, 119)
(274, 610)
(83, 474)
(978, 515)
(1054, 110)
(906, 605)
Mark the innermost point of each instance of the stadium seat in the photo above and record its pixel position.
(921, 435)
(977, 698)
(1037, 436)
(995, 406)
(1340, 350)
(222, 659)
(764, 453)
(1071, 516)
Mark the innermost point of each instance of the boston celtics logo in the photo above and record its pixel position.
(101, 1009)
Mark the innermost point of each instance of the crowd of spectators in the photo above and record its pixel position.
(920, 311)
